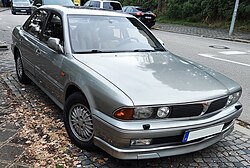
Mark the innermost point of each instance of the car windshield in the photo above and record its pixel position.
(59, 2)
(110, 34)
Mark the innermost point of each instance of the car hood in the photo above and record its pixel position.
(155, 77)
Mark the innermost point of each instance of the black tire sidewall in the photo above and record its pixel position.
(22, 79)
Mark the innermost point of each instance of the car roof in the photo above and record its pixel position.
(78, 10)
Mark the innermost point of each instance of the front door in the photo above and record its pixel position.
(49, 69)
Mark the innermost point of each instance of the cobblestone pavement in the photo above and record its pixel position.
(6, 62)
(204, 32)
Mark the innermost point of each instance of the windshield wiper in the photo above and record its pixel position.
(90, 51)
(96, 51)
(143, 50)
(159, 49)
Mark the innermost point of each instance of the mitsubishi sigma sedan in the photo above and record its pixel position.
(118, 86)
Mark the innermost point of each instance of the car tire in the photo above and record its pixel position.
(22, 77)
(13, 12)
(78, 121)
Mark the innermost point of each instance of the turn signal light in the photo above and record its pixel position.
(124, 114)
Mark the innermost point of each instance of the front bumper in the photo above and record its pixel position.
(115, 138)
(22, 9)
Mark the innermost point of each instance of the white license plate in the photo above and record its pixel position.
(196, 134)
(23, 10)
(148, 17)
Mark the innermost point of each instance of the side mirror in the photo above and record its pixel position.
(54, 43)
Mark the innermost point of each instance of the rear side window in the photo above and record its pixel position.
(94, 4)
(112, 5)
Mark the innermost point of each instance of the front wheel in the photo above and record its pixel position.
(78, 121)
(22, 77)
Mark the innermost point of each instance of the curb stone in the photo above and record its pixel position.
(214, 33)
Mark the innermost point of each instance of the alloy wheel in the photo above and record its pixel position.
(80, 121)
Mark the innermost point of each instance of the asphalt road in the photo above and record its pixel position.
(229, 58)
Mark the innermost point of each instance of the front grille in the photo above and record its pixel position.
(192, 110)
(216, 105)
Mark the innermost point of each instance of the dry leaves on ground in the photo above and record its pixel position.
(46, 139)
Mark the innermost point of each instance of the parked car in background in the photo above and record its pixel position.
(143, 14)
(118, 86)
(37, 3)
(104, 4)
(22, 6)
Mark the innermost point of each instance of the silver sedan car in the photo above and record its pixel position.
(119, 88)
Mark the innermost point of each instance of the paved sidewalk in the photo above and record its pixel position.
(204, 32)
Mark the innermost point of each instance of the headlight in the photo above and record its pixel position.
(142, 112)
(137, 113)
(233, 98)
(163, 112)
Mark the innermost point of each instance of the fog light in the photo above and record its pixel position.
(140, 142)
(163, 112)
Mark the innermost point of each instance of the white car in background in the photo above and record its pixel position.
(111, 5)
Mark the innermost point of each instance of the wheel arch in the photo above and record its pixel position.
(71, 89)
(15, 52)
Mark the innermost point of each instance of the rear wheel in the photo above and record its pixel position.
(78, 121)
(22, 77)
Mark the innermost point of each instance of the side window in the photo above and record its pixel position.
(129, 9)
(35, 25)
(112, 5)
(94, 4)
(53, 28)
(87, 4)
(124, 9)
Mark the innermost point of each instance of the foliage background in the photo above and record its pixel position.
(204, 11)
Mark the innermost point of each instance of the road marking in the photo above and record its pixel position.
(221, 59)
(206, 55)
(232, 52)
